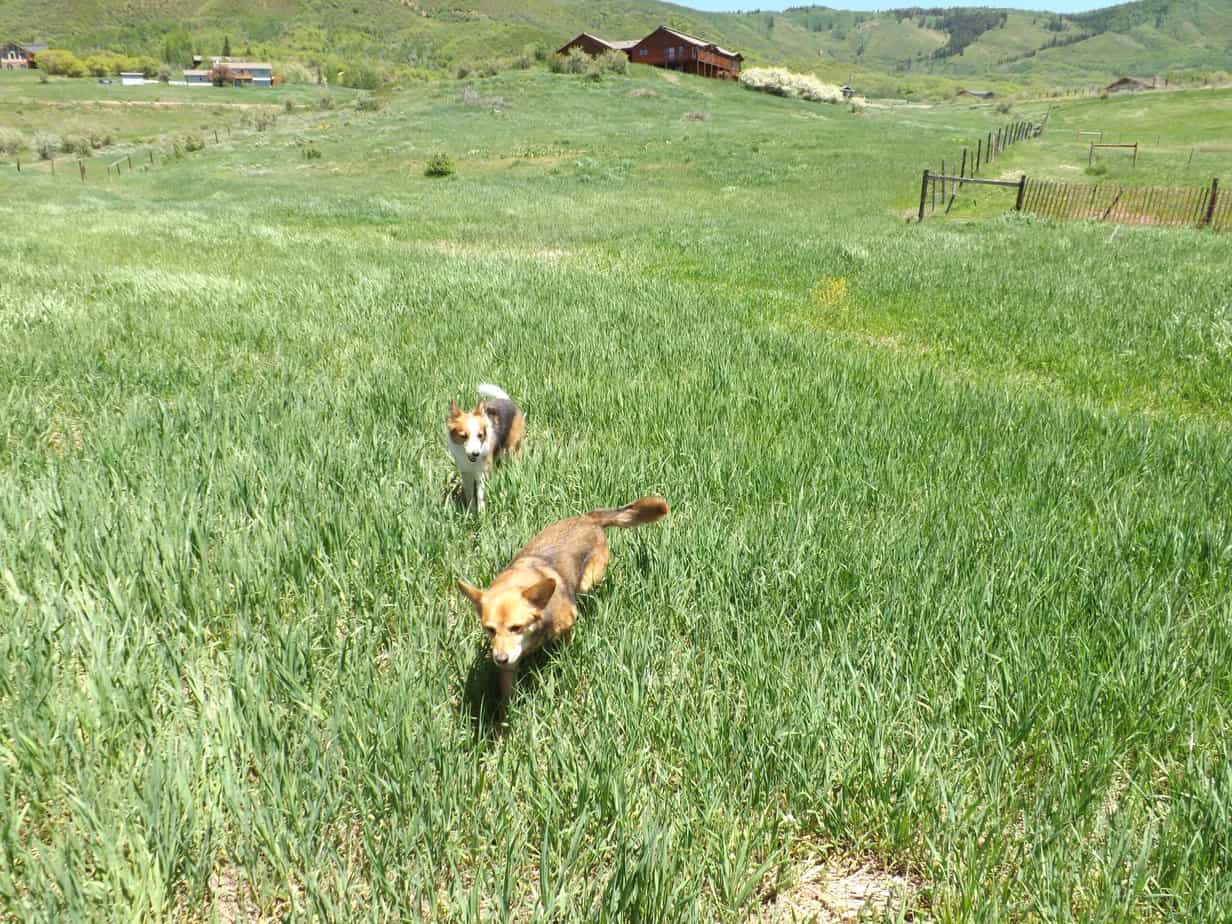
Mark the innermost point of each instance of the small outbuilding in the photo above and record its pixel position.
(197, 78)
(978, 94)
(132, 79)
(593, 45)
(847, 92)
(1128, 85)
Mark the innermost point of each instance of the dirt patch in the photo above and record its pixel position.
(230, 895)
(669, 76)
(642, 91)
(838, 891)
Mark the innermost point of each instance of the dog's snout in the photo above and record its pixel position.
(500, 657)
(473, 456)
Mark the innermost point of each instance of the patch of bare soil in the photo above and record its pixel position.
(838, 891)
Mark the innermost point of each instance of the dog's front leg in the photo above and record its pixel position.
(479, 496)
(468, 488)
(505, 678)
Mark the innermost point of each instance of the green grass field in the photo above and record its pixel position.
(946, 591)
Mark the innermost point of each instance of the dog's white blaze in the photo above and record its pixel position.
(474, 445)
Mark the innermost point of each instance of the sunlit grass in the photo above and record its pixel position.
(945, 585)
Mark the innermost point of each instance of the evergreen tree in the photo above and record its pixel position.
(226, 46)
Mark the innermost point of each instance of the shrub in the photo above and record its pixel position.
(102, 64)
(782, 82)
(361, 77)
(60, 62)
(164, 73)
(264, 120)
(99, 138)
(612, 62)
(311, 151)
(192, 143)
(1004, 106)
(576, 62)
(11, 140)
(326, 100)
(439, 165)
(75, 144)
(488, 69)
(220, 75)
(698, 116)
(368, 104)
(46, 144)
(289, 105)
(462, 71)
(556, 64)
(294, 72)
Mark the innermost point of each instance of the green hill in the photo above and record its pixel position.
(1145, 37)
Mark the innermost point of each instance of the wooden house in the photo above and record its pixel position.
(1128, 85)
(978, 94)
(682, 52)
(18, 55)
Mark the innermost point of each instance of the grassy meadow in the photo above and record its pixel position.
(945, 593)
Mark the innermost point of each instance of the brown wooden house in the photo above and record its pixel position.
(679, 51)
(18, 55)
(593, 45)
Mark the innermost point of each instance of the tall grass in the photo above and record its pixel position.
(945, 586)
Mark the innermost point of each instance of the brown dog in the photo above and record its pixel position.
(534, 600)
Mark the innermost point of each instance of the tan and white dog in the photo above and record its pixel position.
(534, 600)
(477, 438)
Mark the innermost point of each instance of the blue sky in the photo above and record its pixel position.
(1056, 6)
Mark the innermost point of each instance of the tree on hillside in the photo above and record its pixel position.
(226, 46)
(177, 47)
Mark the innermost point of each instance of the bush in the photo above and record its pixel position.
(99, 138)
(576, 62)
(439, 165)
(11, 141)
(289, 105)
(192, 143)
(46, 144)
(311, 152)
(779, 81)
(102, 64)
(1004, 106)
(294, 72)
(164, 74)
(75, 144)
(264, 120)
(488, 69)
(326, 101)
(220, 75)
(368, 104)
(60, 62)
(612, 62)
(361, 77)
(462, 71)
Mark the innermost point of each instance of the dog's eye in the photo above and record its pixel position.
(516, 630)
(489, 630)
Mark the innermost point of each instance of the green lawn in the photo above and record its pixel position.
(946, 589)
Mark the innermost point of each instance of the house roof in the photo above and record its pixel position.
(620, 45)
(700, 43)
(1130, 80)
(247, 65)
(28, 47)
(196, 73)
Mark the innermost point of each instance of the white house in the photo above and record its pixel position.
(132, 79)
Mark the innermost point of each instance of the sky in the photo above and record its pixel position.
(1055, 6)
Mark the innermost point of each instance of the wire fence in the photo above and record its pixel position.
(1176, 207)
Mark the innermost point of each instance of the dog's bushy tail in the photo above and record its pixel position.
(493, 391)
(645, 510)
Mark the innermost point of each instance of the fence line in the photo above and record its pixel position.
(1158, 206)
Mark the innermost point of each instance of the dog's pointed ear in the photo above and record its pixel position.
(478, 411)
(474, 593)
(453, 411)
(538, 595)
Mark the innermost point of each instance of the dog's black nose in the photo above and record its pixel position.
(472, 456)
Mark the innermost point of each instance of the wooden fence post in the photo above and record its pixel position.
(1209, 214)
(130, 163)
(216, 136)
(1022, 190)
(1090, 155)
(923, 193)
(19, 163)
(979, 150)
(1135, 163)
(81, 164)
(962, 171)
(943, 176)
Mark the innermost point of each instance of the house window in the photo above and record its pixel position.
(643, 52)
(671, 51)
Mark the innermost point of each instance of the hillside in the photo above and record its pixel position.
(1145, 37)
